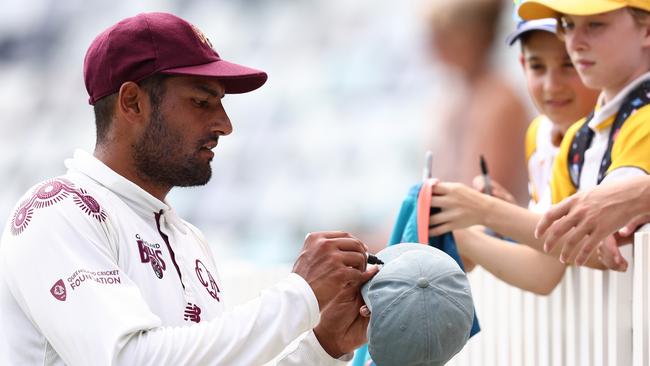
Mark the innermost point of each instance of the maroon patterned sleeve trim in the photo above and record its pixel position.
(50, 193)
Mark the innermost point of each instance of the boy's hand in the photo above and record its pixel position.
(497, 189)
(461, 207)
(610, 255)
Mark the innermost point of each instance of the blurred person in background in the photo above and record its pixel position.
(96, 268)
(481, 113)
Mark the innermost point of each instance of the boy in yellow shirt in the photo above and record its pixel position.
(609, 42)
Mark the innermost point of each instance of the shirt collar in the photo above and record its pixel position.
(604, 112)
(136, 197)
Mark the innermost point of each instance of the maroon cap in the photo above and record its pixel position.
(150, 43)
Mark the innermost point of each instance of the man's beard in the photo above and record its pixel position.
(159, 157)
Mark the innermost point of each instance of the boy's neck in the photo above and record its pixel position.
(612, 92)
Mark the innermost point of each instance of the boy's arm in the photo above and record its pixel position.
(464, 207)
(524, 267)
(522, 229)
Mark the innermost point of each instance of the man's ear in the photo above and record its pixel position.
(522, 60)
(132, 102)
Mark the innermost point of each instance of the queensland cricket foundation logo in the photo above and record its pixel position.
(58, 290)
(206, 279)
(151, 253)
(82, 277)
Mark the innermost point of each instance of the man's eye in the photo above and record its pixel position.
(201, 103)
(595, 24)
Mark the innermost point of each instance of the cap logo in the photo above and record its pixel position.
(201, 36)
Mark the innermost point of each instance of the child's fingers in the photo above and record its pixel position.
(440, 218)
(587, 247)
(440, 188)
(440, 229)
(441, 201)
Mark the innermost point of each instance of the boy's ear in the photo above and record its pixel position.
(522, 60)
(646, 40)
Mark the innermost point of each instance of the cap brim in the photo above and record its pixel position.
(236, 78)
(546, 25)
(537, 9)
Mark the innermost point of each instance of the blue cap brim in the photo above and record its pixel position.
(546, 25)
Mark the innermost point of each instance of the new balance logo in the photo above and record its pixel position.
(192, 313)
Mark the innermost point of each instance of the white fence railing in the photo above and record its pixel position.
(598, 318)
(592, 318)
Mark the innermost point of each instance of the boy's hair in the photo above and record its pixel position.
(641, 18)
(524, 38)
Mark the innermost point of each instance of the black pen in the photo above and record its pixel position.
(373, 259)
(486, 177)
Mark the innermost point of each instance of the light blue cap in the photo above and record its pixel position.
(421, 304)
(525, 26)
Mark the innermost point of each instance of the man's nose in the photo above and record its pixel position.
(221, 124)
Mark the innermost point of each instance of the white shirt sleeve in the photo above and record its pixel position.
(622, 173)
(100, 324)
(306, 350)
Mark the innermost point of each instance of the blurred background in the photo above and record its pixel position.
(333, 141)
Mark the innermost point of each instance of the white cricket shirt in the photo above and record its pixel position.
(96, 271)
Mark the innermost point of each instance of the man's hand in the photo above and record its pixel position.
(344, 322)
(331, 261)
(634, 224)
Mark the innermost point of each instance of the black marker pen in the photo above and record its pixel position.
(373, 259)
(486, 177)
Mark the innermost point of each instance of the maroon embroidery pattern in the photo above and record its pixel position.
(49, 193)
(192, 313)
